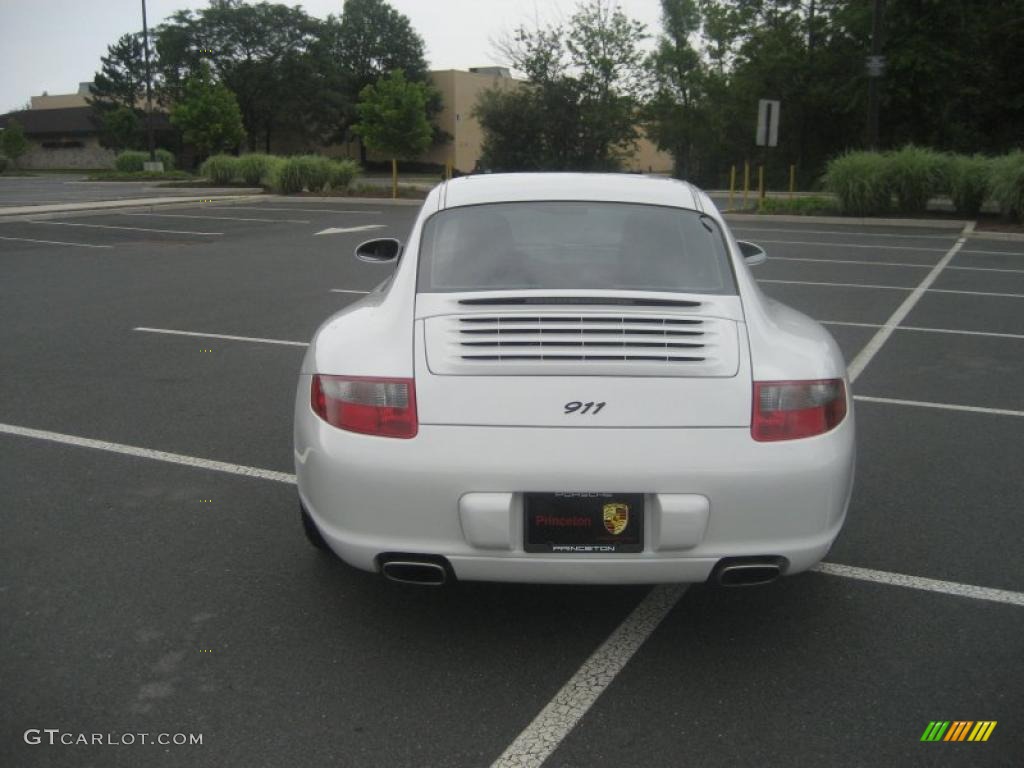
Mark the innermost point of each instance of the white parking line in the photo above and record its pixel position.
(133, 229)
(55, 242)
(987, 269)
(346, 290)
(838, 285)
(542, 736)
(954, 331)
(148, 453)
(634, 629)
(835, 232)
(268, 208)
(219, 218)
(891, 288)
(882, 335)
(854, 245)
(919, 582)
(994, 253)
(851, 261)
(977, 293)
(254, 339)
(867, 263)
(942, 406)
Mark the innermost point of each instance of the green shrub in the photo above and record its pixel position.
(1007, 184)
(220, 169)
(130, 161)
(799, 206)
(288, 176)
(915, 174)
(860, 181)
(3, 163)
(342, 174)
(967, 179)
(316, 170)
(254, 168)
(166, 158)
(295, 174)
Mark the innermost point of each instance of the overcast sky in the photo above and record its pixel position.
(51, 45)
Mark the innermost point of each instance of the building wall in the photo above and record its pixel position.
(58, 101)
(460, 92)
(87, 157)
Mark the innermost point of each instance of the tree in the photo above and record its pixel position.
(121, 81)
(675, 112)
(370, 41)
(393, 120)
(208, 114)
(13, 141)
(261, 52)
(119, 128)
(583, 94)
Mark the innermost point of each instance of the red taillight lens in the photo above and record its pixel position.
(787, 410)
(385, 407)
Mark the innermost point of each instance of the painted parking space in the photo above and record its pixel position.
(814, 672)
(999, 314)
(823, 271)
(949, 368)
(935, 499)
(184, 600)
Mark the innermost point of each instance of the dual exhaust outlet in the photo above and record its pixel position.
(433, 571)
(422, 570)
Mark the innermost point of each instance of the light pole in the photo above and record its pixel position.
(875, 67)
(149, 89)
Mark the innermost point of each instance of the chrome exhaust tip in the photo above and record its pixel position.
(412, 571)
(748, 571)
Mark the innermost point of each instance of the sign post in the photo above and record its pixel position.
(767, 123)
(767, 133)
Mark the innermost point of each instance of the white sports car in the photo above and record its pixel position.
(572, 378)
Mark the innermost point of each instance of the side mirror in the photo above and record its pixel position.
(379, 251)
(753, 253)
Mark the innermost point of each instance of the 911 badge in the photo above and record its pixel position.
(616, 517)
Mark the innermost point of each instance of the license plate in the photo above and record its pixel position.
(574, 523)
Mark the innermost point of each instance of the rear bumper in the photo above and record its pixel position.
(456, 492)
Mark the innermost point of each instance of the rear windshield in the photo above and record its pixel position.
(577, 245)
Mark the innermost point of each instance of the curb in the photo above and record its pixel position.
(341, 198)
(100, 207)
(848, 220)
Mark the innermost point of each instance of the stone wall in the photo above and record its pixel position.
(86, 157)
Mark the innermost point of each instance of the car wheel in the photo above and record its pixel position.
(312, 532)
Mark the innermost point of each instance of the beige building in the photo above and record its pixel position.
(66, 136)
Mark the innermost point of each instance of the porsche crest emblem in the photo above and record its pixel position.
(616, 517)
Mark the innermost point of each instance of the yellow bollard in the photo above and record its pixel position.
(760, 182)
(732, 185)
(792, 181)
(746, 182)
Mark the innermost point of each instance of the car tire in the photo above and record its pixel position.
(313, 534)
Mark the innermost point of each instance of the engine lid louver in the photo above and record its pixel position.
(592, 343)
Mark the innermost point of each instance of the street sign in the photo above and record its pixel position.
(875, 66)
(767, 123)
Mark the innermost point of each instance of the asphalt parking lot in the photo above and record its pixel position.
(154, 578)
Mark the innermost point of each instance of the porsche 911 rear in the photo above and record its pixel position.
(580, 402)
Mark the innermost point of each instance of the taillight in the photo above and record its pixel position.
(787, 410)
(385, 407)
